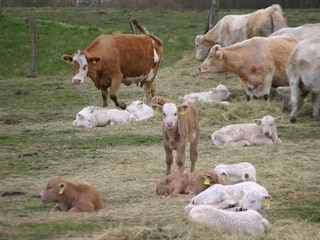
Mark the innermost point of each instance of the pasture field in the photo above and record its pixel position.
(126, 162)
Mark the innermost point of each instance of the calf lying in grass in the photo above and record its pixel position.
(91, 116)
(262, 131)
(71, 197)
(249, 221)
(183, 184)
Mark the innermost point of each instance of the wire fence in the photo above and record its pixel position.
(161, 4)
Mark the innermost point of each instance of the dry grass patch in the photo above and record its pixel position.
(126, 162)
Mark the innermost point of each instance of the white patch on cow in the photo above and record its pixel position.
(83, 68)
(155, 56)
(150, 75)
(170, 115)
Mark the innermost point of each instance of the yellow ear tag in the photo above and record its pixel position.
(206, 181)
(258, 123)
(81, 118)
(61, 191)
(266, 202)
(182, 111)
(94, 61)
(156, 111)
(223, 177)
(140, 105)
(241, 196)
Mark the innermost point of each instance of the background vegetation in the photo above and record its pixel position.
(127, 162)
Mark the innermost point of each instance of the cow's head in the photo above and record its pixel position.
(80, 62)
(269, 125)
(170, 113)
(202, 47)
(214, 61)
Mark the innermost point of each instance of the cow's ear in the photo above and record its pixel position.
(157, 108)
(67, 58)
(199, 39)
(94, 60)
(278, 119)
(182, 109)
(214, 90)
(257, 121)
(62, 188)
(219, 54)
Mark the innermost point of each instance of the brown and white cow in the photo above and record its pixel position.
(180, 126)
(232, 29)
(119, 58)
(260, 63)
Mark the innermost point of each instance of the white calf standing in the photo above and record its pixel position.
(140, 111)
(303, 70)
(244, 195)
(249, 221)
(90, 117)
(217, 94)
(243, 171)
(180, 126)
(263, 131)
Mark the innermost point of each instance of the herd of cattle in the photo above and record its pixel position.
(260, 49)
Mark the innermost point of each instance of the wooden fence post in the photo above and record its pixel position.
(33, 49)
(213, 10)
(98, 13)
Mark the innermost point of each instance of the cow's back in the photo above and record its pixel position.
(121, 51)
(264, 22)
(304, 65)
(306, 31)
(188, 123)
(281, 48)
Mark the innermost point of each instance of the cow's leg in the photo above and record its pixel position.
(149, 89)
(169, 158)
(266, 89)
(295, 93)
(104, 94)
(249, 95)
(180, 158)
(315, 105)
(194, 154)
(114, 88)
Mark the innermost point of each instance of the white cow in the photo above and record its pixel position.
(90, 117)
(232, 29)
(303, 70)
(217, 94)
(244, 195)
(140, 111)
(228, 30)
(306, 31)
(262, 131)
(249, 221)
(229, 173)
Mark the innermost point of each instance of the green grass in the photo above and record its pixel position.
(126, 162)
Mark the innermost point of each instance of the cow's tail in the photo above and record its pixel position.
(277, 21)
(145, 31)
